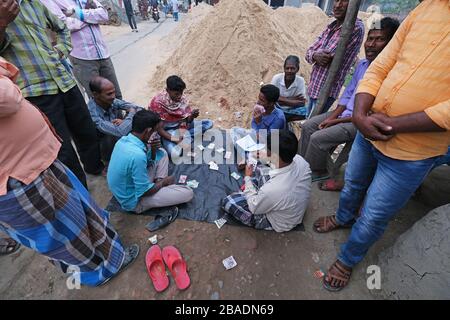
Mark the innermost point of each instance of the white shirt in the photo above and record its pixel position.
(284, 197)
(296, 88)
(175, 5)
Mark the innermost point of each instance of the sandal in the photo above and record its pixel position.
(337, 277)
(8, 246)
(331, 185)
(162, 221)
(131, 253)
(328, 224)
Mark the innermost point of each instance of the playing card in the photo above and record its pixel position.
(228, 155)
(154, 239)
(220, 150)
(201, 147)
(220, 222)
(229, 263)
(192, 184)
(235, 175)
(211, 146)
(182, 179)
(191, 154)
(213, 166)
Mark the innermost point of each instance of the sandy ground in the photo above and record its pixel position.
(270, 265)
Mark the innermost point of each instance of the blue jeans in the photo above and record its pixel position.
(313, 102)
(384, 184)
(175, 16)
(445, 159)
(205, 125)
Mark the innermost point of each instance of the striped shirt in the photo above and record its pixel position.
(28, 46)
(328, 41)
(87, 39)
(412, 75)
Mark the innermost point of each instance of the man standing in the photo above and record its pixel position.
(106, 112)
(130, 15)
(321, 54)
(45, 82)
(322, 133)
(90, 56)
(43, 205)
(402, 112)
(175, 9)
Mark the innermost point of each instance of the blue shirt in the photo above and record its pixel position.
(102, 118)
(127, 175)
(348, 97)
(275, 120)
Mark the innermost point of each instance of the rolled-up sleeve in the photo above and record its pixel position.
(93, 16)
(440, 114)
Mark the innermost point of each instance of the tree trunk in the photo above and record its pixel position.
(346, 32)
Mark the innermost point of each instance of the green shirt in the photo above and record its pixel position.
(28, 45)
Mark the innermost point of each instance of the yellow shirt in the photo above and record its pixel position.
(412, 74)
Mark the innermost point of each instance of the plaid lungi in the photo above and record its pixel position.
(56, 216)
(236, 204)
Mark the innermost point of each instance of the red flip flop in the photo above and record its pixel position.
(156, 269)
(177, 266)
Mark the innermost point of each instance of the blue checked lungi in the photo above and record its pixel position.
(56, 216)
(236, 205)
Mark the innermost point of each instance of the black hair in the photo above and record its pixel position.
(95, 85)
(293, 59)
(390, 25)
(175, 83)
(287, 144)
(271, 92)
(144, 119)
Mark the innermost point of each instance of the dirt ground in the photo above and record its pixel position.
(270, 265)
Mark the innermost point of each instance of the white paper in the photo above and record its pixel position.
(248, 144)
(213, 166)
(211, 146)
(220, 222)
(201, 147)
(229, 263)
(220, 150)
(228, 155)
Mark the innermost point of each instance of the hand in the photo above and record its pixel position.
(328, 122)
(195, 113)
(5, 72)
(248, 170)
(90, 4)
(322, 58)
(373, 128)
(68, 12)
(9, 9)
(301, 98)
(167, 181)
(155, 144)
(133, 110)
(117, 122)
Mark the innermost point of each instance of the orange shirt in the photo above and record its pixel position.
(27, 145)
(412, 74)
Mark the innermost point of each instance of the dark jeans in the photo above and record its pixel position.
(132, 21)
(70, 117)
(107, 143)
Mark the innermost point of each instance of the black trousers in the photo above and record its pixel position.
(107, 144)
(71, 119)
(132, 21)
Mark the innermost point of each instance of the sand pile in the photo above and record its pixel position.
(232, 49)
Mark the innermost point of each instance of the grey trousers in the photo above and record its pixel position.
(316, 144)
(167, 196)
(85, 70)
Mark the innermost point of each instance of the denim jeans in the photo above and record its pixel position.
(313, 102)
(384, 184)
(171, 147)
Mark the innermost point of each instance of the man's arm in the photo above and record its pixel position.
(108, 127)
(9, 9)
(292, 102)
(93, 15)
(314, 48)
(63, 40)
(258, 202)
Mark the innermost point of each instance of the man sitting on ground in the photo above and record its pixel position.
(138, 175)
(174, 109)
(106, 112)
(276, 198)
(322, 133)
(292, 90)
